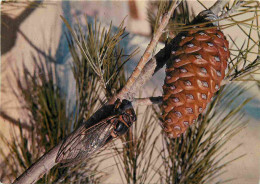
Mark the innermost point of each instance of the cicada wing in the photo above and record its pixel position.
(84, 141)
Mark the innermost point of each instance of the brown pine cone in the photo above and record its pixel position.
(193, 74)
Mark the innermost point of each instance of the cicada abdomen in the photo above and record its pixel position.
(86, 140)
(193, 74)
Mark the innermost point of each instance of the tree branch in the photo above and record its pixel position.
(153, 65)
(218, 6)
(232, 10)
(144, 59)
(14, 121)
(39, 168)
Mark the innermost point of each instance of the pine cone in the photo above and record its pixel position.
(193, 74)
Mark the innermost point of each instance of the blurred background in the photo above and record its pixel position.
(37, 31)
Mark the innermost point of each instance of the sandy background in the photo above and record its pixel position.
(41, 31)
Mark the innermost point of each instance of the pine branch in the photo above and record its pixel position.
(40, 167)
(246, 71)
(232, 10)
(144, 59)
(218, 6)
(147, 101)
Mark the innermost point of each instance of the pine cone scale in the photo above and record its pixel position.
(185, 40)
(202, 37)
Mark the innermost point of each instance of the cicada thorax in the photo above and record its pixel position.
(193, 74)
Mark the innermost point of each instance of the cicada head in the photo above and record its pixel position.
(126, 110)
(125, 119)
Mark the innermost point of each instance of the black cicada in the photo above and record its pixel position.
(90, 137)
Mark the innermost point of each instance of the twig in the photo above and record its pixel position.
(146, 55)
(225, 81)
(153, 65)
(232, 10)
(218, 6)
(147, 101)
(14, 121)
(249, 69)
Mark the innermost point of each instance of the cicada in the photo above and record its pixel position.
(90, 137)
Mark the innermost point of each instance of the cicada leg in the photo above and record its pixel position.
(117, 103)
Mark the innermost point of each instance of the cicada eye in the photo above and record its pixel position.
(120, 128)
